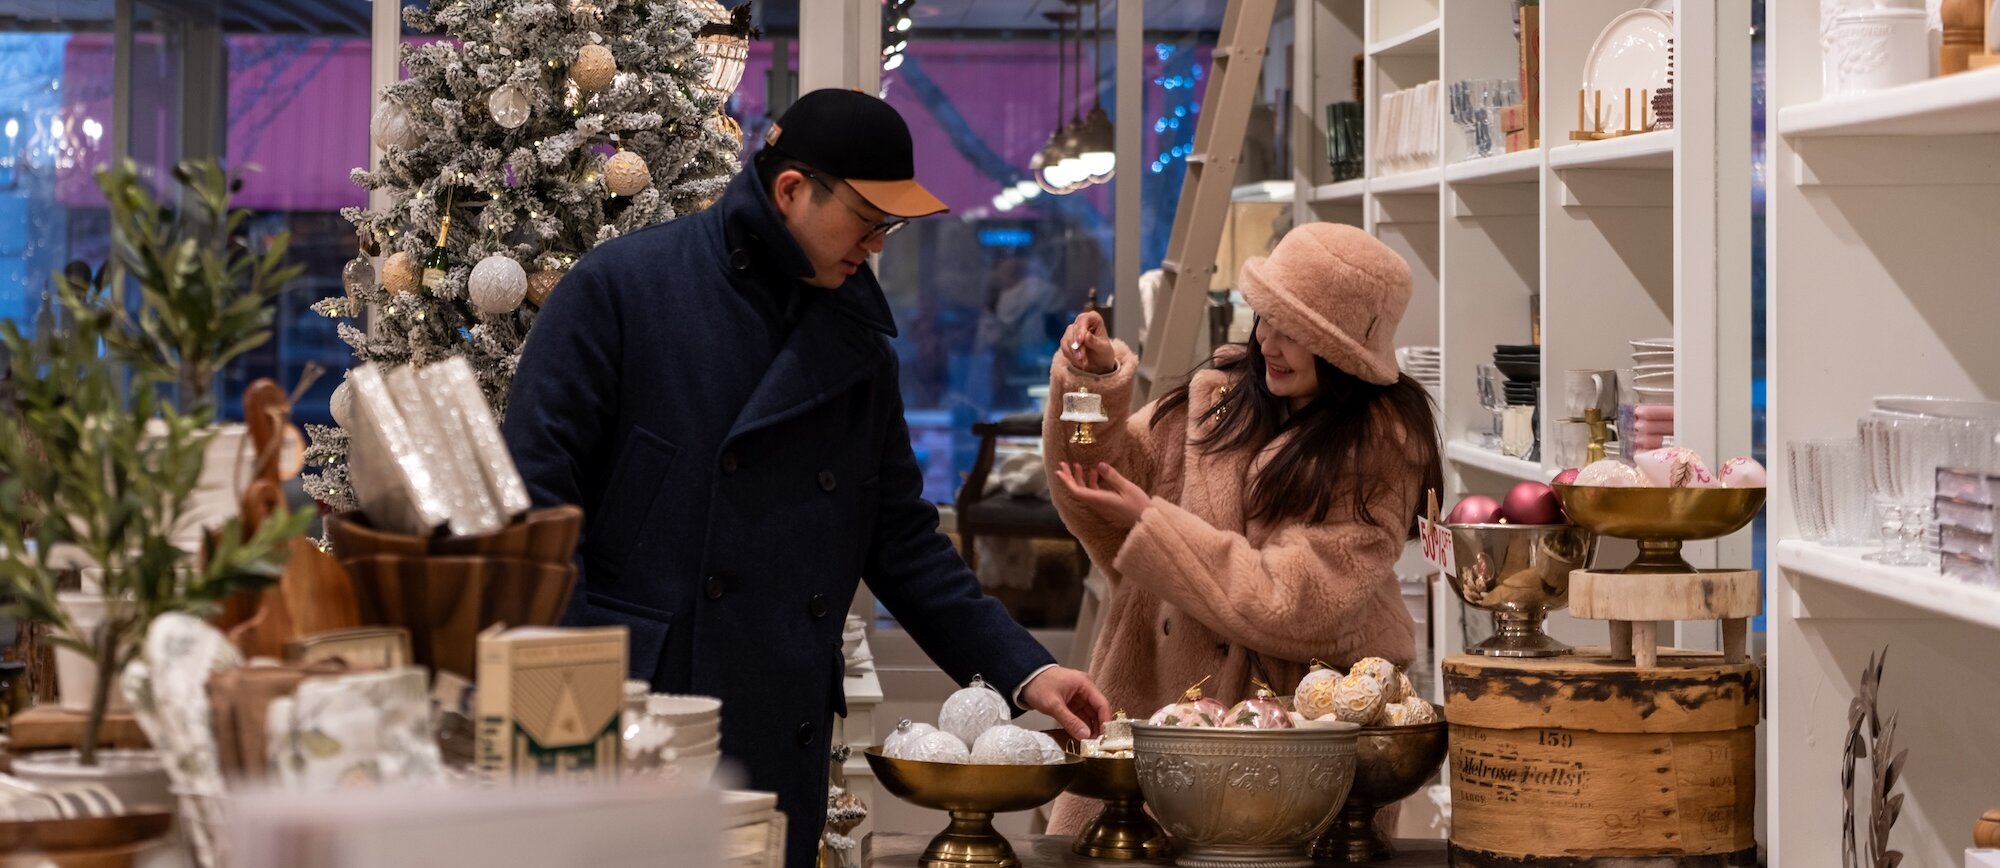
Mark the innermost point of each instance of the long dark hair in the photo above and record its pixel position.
(1347, 414)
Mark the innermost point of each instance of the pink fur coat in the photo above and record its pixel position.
(1198, 591)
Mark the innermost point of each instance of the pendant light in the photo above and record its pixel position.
(1072, 168)
(1046, 164)
(1099, 147)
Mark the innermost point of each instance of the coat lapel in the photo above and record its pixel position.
(825, 355)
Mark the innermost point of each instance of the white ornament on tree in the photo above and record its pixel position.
(626, 173)
(393, 126)
(509, 106)
(341, 405)
(593, 68)
(497, 286)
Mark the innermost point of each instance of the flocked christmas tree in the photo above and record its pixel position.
(534, 131)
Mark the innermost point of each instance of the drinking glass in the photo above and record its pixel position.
(1493, 397)
(1878, 459)
(1808, 488)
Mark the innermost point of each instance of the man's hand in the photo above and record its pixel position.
(1071, 698)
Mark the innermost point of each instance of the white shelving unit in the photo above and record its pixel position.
(1623, 239)
(1883, 209)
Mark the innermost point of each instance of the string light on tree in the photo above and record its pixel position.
(512, 104)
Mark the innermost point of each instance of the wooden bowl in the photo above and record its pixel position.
(543, 535)
(445, 601)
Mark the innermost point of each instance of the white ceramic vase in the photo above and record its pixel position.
(76, 673)
(226, 467)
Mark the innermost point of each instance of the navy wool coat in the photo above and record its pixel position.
(736, 489)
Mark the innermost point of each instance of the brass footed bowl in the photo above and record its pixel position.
(1391, 764)
(1520, 573)
(1123, 830)
(1660, 519)
(1238, 798)
(973, 794)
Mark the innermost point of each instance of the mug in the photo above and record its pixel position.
(1572, 444)
(1586, 388)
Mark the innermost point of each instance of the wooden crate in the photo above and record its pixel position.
(1584, 761)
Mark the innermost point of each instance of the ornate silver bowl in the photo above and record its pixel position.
(1245, 798)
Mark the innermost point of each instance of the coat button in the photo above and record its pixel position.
(826, 481)
(819, 606)
(805, 735)
(729, 464)
(713, 587)
(739, 259)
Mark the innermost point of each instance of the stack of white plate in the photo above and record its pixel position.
(1421, 363)
(697, 739)
(1653, 370)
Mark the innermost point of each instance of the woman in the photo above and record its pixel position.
(1250, 520)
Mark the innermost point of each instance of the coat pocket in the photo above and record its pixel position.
(637, 478)
(647, 628)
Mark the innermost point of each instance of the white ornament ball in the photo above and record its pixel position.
(1052, 753)
(905, 733)
(1379, 669)
(972, 711)
(626, 173)
(1314, 696)
(1357, 699)
(937, 747)
(1410, 712)
(509, 106)
(341, 405)
(400, 272)
(593, 68)
(497, 286)
(393, 126)
(1403, 689)
(1006, 745)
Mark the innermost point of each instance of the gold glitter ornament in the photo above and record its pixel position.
(400, 272)
(593, 68)
(626, 173)
(540, 284)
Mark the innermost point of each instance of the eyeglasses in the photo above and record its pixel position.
(876, 230)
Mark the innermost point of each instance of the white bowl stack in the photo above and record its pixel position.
(1422, 364)
(1653, 370)
(697, 739)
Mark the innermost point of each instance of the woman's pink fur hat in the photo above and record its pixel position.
(1338, 292)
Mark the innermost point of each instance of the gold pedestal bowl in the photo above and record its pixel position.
(1391, 764)
(1660, 519)
(1123, 830)
(972, 794)
(1520, 573)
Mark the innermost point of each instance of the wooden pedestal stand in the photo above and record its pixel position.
(1633, 602)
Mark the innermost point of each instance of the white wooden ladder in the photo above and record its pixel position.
(1219, 131)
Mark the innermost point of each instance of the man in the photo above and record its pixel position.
(720, 396)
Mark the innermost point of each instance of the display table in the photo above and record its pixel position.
(1049, 851)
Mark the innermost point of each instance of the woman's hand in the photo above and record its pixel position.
(1086, 345)
(1111, 496)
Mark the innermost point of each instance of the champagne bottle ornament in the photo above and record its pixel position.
(1084, 409)
(972, 711)
(509, 106)
(497, 286)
